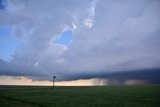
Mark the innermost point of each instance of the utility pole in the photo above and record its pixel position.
(54, 77)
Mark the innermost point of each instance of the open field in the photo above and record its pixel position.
(107, 96)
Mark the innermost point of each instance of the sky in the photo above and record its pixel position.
(114, 41)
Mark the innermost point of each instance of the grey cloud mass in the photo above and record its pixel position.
(108, 36)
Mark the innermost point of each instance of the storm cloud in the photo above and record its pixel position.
(107, 37)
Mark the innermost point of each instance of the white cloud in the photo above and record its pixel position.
(91, 13)
(89, 23)
(36, 64)
(74, 26)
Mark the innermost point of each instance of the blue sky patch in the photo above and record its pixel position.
(8, 43)
(65, 38)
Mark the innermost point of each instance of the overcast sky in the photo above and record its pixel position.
(71, 38)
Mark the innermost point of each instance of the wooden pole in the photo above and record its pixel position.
(54, 77)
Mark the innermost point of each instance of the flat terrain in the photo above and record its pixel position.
(102, 96)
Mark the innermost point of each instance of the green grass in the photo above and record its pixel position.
(103, 96)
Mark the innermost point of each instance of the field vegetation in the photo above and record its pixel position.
(95, 96)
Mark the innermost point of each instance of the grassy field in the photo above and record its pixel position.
(102, 96)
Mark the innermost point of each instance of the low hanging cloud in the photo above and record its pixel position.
(108, 36)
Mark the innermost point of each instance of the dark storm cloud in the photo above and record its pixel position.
(2, 4)
(151, 76)
(108, 37)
